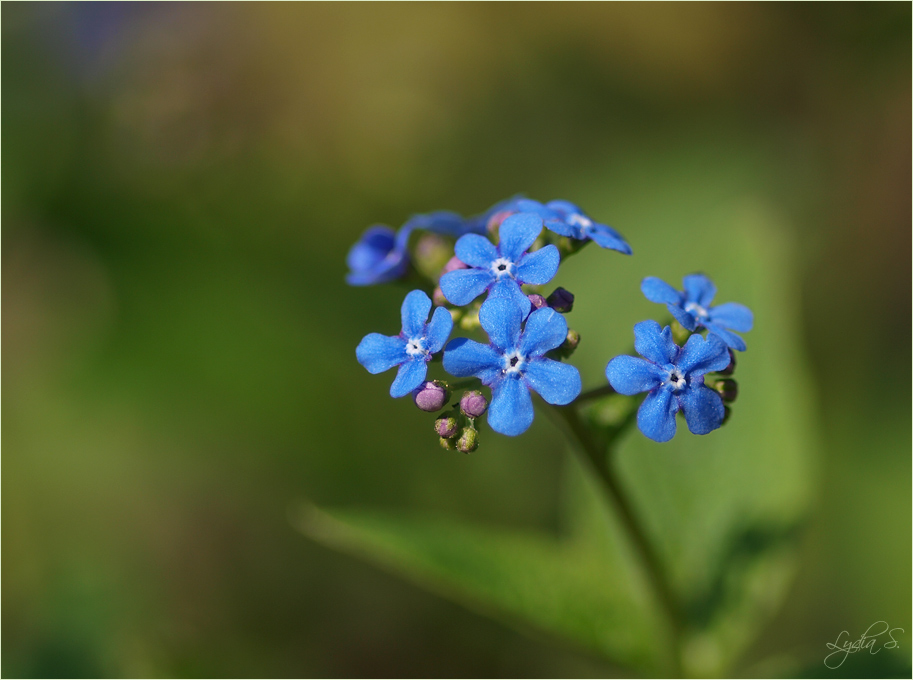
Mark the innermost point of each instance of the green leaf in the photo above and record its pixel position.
(521, 578)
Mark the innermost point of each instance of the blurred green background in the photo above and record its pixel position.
(181, 183)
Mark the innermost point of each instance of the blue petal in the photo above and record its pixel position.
(522, 205)
(511, 410)
(732, 315)
(414, 313)
(699, 289)
(539, 267)
(379, 353)
(438, 330)
(440, 221)
(506, 287)
(501, 318)
(632, 375)
(686, 319)
(703, 409)
(476, 251)
(371, 248)
(730, 338)
(518, 232)
(607, 237)
(555, 382)
(656, 416)
(654, 344)
(464, 357)
(700, 356)
(564, 208)
(462, 286)
(410, 375)
(545, 330)
(559, 226)
(657, 290)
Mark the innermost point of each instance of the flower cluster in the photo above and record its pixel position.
(485, 275)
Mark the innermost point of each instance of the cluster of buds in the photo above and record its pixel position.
(456, 428)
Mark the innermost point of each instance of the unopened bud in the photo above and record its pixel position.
(431, 396)
(468, 441)
(726, 413)
(537, 301)
(431, 252)
(447, 425)
(473, 404)
(446, 443)
(727, 388)
(571, 341)
(730, 369)
(453, 264)
(494, 222)
(437, 297)
(561, 300)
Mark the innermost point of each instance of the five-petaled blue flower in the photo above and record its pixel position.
(412, 348)
(502, 268)
(674, 378)
(691, 308)
(514, 363)
(567, 219)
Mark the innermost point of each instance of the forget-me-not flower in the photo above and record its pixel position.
(380, 255)
(674, 378)
(412, 349)
(514, 362)
(691, 308)
(572, 222)
(501, 268)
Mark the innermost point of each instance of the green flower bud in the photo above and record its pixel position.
(680, 334)
(447, 443)
(447, 425)
(468, 441)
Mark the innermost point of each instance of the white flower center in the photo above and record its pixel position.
(696, 310)
(502, 267)
(514, 362)
(676, 379)
(579, 220)
(415, 347)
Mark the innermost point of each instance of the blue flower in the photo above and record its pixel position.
(412, 349)
(513, 363)
(572, 222)
(674, 378)
(380, 255)
(502, 268)
(691, 308)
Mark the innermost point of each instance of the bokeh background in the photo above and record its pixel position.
(181, 183)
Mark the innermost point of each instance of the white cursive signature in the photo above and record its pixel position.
(867, 641)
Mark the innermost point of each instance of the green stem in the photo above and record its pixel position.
(598, 460)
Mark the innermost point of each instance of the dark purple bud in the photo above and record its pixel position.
(726, 413)
(538, 301)
(561, 300)
(730, 369)
(468, 441)
(431, 396)
(447, 425)
(473, 404)
(727, 388)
